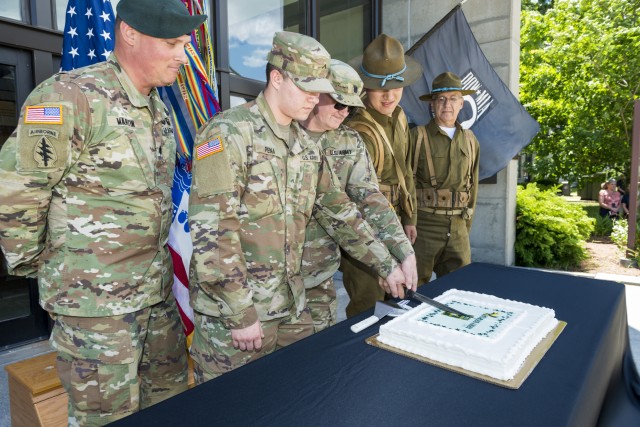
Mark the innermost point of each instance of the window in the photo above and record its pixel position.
(345, 27)
(14, 9)
(252, 24)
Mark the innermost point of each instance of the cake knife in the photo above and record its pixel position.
(382, 309)
(419, 297)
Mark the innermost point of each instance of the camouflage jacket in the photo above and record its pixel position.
(254, 189)
(349, 160)
(85, 182)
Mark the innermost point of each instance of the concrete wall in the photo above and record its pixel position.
(496, 26)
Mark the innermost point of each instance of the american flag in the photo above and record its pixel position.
(47, 114)
(88, 33)
(208, 148)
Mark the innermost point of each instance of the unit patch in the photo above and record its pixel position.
(210, 147)
(49, 114)
(44, 153)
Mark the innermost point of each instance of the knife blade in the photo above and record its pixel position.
(419, 297)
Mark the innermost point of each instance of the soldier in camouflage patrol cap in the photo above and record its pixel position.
(85, 181)
(349, 159)
(257, 177)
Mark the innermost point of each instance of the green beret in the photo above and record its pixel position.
(163, 19)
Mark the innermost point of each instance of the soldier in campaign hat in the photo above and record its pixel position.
(86, 189)
(349, 159)
(385, 70)
(446, 163)
(257, 177)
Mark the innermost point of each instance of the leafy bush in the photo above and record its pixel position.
(619, 232)
(550, 231)
(603, 226)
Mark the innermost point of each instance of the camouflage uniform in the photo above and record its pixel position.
(443, 243)
(359, 281)
(256, 184)
(85, 182)
(348, 158)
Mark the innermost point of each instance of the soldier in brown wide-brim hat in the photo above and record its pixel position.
(385, 70)
(385, 66)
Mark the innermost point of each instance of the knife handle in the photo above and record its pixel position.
(364, 324)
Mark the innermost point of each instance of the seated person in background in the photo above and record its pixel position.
(609, 199)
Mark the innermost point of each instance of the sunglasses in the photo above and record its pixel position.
(341, 107)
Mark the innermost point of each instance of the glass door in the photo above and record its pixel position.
(21, 318)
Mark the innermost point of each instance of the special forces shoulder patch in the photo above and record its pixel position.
(43, 114)
(210, 147)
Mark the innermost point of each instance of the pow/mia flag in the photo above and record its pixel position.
(501, 124)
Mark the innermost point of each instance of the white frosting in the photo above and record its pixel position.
(494, 342)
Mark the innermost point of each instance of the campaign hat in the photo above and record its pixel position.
(445, 82)
(384, 65)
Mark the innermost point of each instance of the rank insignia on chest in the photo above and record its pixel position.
(49, 114)
(210, 147)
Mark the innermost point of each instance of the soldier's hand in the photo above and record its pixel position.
(410, 272)
(393, 283)
(249, 338)
(412, 233)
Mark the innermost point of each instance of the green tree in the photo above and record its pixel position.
(579, 75)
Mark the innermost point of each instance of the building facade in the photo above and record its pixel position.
(31, 34)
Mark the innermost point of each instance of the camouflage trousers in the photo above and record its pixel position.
(113, 366)
(323, 304)
(213, 353)
(361, 283)
(442, 245)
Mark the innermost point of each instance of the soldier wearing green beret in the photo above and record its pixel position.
(446, 164)
(385, 70)
(257, 178)
(85, 181)
(348, 158)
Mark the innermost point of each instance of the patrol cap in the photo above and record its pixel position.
(163, 19)
(303, 58)
(346, 83)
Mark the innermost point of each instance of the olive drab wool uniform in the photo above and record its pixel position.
(393, 169)
(255, 186)
(85, 182)
(348, 158)
(446, 189)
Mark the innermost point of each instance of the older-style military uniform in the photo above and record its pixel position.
(445, 210)
(255, 186)
(349, 159)
(392, 169)
(85, 183)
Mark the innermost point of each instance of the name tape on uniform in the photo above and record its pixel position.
(210, 147)
(44, 114)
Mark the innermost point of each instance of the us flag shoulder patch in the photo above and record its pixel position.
(210, 147)
(41, 114)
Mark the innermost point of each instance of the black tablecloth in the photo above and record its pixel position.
(334, 378)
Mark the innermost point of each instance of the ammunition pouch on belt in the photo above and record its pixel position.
(441, 198)
(444, 202)
(396, 197)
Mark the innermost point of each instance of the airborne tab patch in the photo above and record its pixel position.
(49, 114)
(210, 147)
